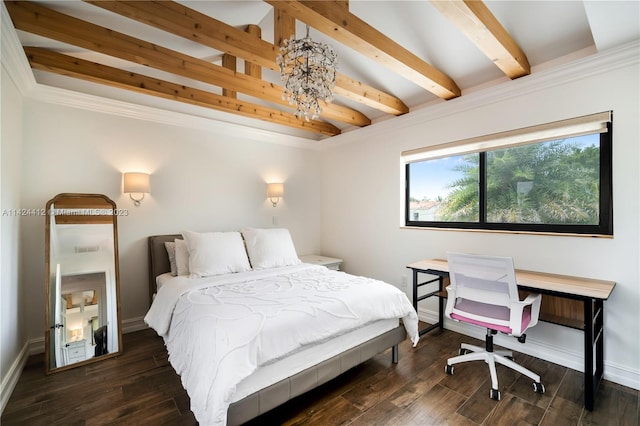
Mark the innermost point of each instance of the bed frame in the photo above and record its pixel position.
(272, 396)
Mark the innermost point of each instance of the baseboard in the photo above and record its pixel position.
(558, 355)
(11, 378)
(133, 324)
(613, 372)
(36, 346)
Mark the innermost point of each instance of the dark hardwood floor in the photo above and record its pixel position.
(140, 387)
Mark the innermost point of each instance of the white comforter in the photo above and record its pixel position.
(219, 330)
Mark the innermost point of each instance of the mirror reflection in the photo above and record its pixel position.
(82, 318)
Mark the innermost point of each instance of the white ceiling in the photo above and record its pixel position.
(549, 32)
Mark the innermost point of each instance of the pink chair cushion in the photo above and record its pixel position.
(490, 311)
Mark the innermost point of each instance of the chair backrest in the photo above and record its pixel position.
(485, 279)
(484, 292)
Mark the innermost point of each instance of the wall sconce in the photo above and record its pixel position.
(275, 192)
(136, 183)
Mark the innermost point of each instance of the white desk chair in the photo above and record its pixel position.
(484, 292)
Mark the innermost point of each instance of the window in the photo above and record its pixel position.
(550, 178)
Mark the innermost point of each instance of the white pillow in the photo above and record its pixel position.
(171, 252)
(182, 257)
(215, 253)
(270, 248)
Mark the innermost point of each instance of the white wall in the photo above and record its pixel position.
(12, 312)
(361, 220)
(200, 180)
(346, 205)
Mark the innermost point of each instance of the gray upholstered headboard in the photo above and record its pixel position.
(158, 259)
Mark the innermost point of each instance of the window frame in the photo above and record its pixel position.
(604, 228)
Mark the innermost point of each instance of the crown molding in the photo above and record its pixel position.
(86, 102)
(17, 66)
(603, 62)
(13, 58)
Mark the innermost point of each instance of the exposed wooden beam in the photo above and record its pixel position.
(284, 27)
(47, 60)
(229, 62)
(477, 22)
(188, 23)
(250, 68)
(37, 19)
(332, 19)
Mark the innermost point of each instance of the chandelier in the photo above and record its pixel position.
(308, 71)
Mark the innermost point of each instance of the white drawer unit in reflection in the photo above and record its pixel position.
(76, 351)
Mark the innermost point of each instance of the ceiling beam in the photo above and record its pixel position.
(229, 62)
(37, 19)
(193, 25)
(250, 68)
(334, 20)
(477, 22)
(284, 27)
(70, 66)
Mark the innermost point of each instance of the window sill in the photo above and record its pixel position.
(497, 231)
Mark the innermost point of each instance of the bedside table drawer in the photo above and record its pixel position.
(76, 352)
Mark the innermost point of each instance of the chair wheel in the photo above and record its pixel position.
(463, 351)
(538, 387)
(522, 338)
(448, 369)
(495, 394)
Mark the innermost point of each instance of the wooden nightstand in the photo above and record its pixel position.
(315, 259)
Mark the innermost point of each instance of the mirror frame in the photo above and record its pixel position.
(100, 201)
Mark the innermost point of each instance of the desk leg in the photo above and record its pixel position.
(415, 290)
(415, 303)
(599, 305)
(593, 345)
(440, 304)
(588, 354)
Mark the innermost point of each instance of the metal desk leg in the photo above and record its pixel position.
(415, 290)
(416, 284)
(599, 305)
(441, 304)
(597, 349)
(588, 355)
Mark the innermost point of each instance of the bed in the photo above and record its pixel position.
(235, 374)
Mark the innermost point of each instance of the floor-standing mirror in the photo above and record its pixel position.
(82, 313)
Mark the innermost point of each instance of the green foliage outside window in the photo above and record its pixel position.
(538, 187)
